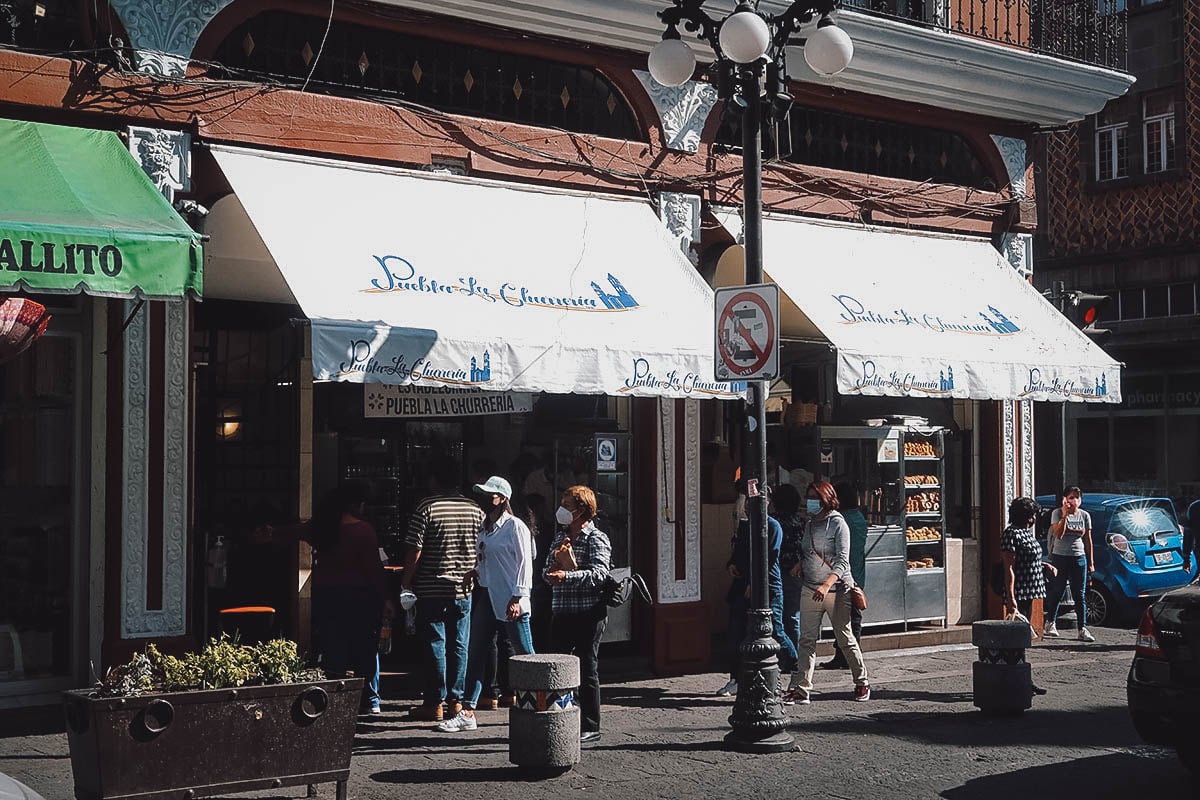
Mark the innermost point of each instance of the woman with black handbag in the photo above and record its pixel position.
(825, 571)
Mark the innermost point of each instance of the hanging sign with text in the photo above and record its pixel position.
(386, 401)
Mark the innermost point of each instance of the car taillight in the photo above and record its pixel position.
(1147, 639)
(1119, 543)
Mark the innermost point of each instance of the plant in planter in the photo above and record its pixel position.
(232, 717)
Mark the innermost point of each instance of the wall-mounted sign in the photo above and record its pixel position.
(606, 454)
(889, 450)
(826, 452)
(386, 401)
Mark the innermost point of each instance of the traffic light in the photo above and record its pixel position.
(1084, 310)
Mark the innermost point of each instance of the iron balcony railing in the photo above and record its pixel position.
(1089, 31)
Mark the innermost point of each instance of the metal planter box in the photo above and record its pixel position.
(199, 743)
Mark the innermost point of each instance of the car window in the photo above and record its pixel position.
(1140, 520)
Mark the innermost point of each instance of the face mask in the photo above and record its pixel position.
(813, 506)
(563, 516)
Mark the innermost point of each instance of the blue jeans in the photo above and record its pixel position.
(483, 627)
(371, 692)
(787, 645)
(443, 620)
(1071, 569)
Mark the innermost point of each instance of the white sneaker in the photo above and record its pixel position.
(728, 690)
(1051, 631)
(1085, 635)
(462, 721)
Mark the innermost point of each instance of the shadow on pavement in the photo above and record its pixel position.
(456, 775)
(1082, 727)
(652, 697)
(1075, 646)
(37, 721)
(1108, 775)
(883, 694)
(443, 740)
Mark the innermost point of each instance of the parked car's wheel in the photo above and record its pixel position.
(1100, 609)
(1152, 728)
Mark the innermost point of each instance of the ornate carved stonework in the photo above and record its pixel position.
(681, 214)
(1008, 440)
(163, 34)
(684, 513)
(682, 110)
(1013, 151)
(1027, 482)
(137, 621)
(1018, 249)
(165, 156)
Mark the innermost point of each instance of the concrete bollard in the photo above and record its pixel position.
(543, 727)
(1002, 680)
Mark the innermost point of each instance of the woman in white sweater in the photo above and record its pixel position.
(825, 571)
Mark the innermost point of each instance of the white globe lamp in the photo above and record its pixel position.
(829, 49)
(744, 37)
(672, 62)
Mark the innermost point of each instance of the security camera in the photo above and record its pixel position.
(191, 207)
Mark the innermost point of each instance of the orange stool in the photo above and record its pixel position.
(248, 624)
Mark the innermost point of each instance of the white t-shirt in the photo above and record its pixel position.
(505, 563)
(1071, 542)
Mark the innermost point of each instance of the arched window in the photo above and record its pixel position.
(822, 138)
(361, 61)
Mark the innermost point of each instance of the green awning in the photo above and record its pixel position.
(77, 213)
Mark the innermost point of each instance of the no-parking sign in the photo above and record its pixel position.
(747, 332)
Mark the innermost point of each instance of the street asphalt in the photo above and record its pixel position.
(918, 737)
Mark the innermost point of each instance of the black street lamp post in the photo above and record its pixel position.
(751, 73)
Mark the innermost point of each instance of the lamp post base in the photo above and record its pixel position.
(758, 721)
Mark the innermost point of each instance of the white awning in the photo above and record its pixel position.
(926, 315)
(411, 278)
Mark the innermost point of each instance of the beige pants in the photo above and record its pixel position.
(837, 606)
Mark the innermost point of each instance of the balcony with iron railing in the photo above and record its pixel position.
(1085, 31)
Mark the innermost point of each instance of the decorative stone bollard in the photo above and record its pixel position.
(543, 727)
(1002, 680)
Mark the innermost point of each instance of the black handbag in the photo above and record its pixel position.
(615, 593)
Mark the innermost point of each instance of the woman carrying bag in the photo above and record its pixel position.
(825, 571)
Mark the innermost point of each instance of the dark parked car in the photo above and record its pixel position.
(1164, 680)
(1138, 547)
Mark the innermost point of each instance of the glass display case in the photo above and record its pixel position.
(900, 475)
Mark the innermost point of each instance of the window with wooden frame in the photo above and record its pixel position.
(1158, 129)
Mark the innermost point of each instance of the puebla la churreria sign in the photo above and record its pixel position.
(27, 255)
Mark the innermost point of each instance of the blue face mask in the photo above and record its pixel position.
(813, 506)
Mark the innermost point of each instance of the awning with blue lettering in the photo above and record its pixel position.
(916, 314)
(440, 281)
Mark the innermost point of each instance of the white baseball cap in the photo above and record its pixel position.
(495, 485)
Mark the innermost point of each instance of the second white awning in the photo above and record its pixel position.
(441, 281)
(914, 314)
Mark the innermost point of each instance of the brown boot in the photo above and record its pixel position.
(487, 704)
(425, 713)
(452, 708)
(508, 700)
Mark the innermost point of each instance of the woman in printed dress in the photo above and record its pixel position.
(1025, 566)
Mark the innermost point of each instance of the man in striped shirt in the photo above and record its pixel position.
(441, 550)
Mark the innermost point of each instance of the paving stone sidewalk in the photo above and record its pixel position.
(919, 736)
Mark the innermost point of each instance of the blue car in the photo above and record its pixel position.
(1138, 548)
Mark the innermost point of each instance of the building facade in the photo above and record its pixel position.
(1122, 219)
(193, 422)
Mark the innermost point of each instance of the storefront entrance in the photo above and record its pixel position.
(43, 508)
